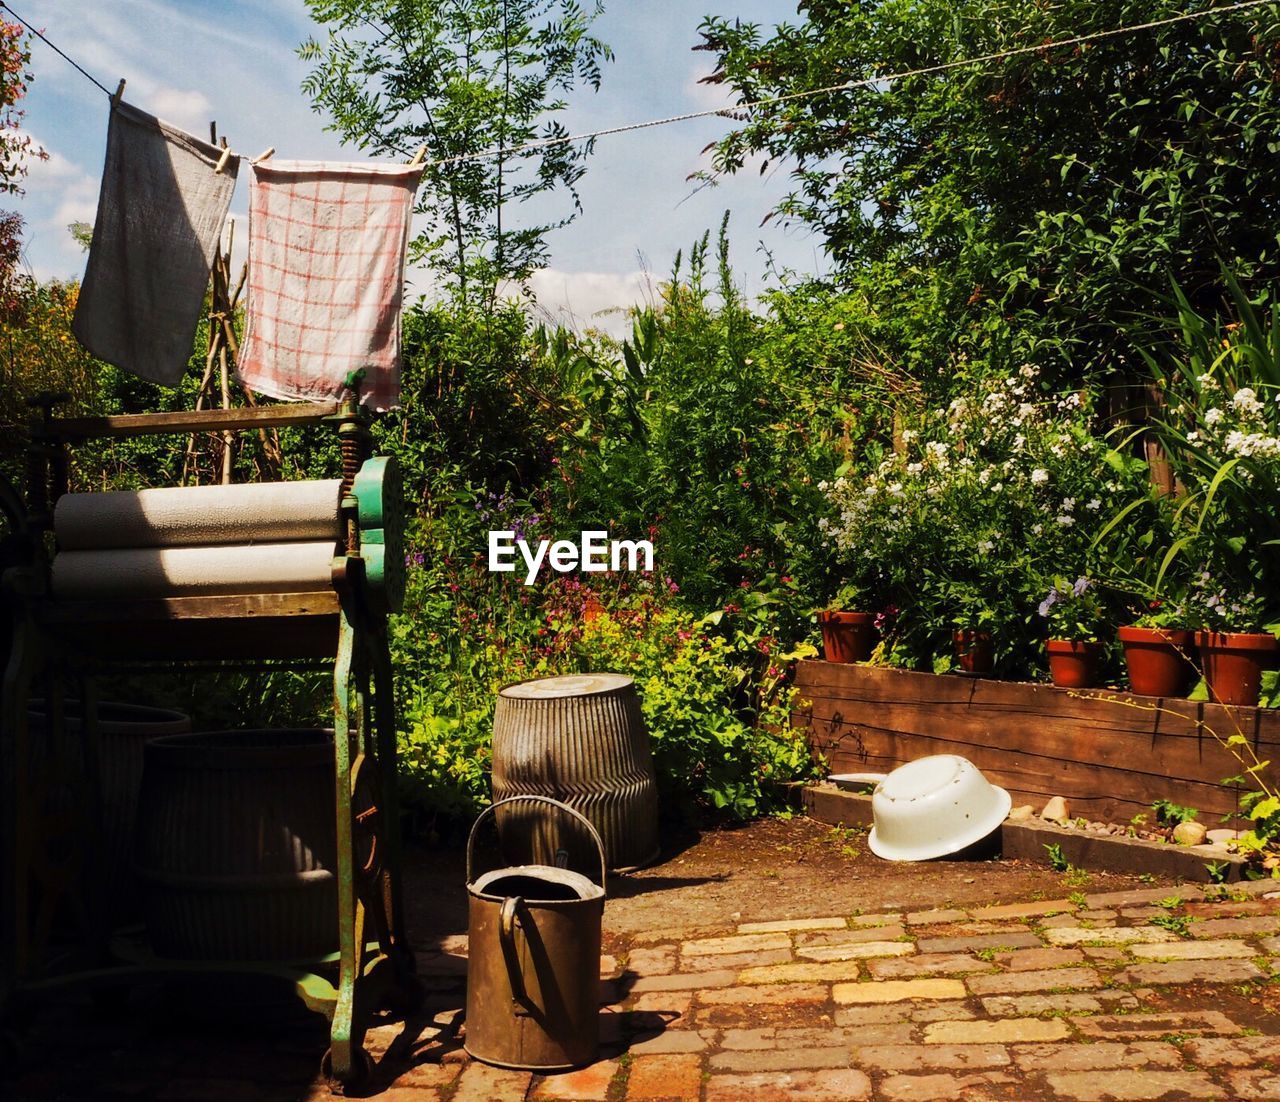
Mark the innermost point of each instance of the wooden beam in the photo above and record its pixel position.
(1110, 753)
(205, 420)
(232, 606)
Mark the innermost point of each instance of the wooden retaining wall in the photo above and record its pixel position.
(1109, 753)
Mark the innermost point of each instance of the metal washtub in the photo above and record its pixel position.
(580, 739)
(236, 845)
(123, 731)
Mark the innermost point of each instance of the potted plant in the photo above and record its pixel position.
(1233, 644)
(972, 618)
(1073, 615)
(847, 635)
(1158, 649)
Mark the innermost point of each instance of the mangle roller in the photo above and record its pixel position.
(189, 575)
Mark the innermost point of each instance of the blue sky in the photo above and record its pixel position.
(235, 61)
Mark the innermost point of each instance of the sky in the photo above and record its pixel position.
(235, 61)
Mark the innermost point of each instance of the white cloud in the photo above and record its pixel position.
(58, 192)
(54, 166)
(707, 97)
(184, 108)
(78, 203)
(596, 300)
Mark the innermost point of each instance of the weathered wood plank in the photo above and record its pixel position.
(202, 420)
(234, 606)
(1096, 707)
(1111, 754)
(1114, 794)
(1142, 751)
(207, 639)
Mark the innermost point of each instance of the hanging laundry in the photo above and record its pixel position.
(160, 213)
(326, 278)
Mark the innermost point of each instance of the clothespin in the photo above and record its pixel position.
(264, 155)
(119, 95)
(222, 161)
(418, 157)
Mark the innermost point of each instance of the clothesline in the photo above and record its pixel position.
(730, 110)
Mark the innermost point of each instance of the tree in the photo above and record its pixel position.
(15, 148)
(463, 77)
(1034, 206)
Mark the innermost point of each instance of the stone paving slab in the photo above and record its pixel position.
(1134, 995)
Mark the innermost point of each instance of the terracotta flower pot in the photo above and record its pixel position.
(847, 636)
(1073, 663)
(1233, 663)
(975, 651)
(1158, 659)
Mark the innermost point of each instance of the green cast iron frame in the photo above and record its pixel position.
(373, 967)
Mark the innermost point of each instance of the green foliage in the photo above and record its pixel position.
(15, 149)
(1170, 814)
(463, 78)
(1017, 208)
(1057, 859)
(983, 504)
(1217, 871)
(1174, 923)
(714, 698)
(1219, 377)
(709, 430)
(15, 146)
(1073, 610)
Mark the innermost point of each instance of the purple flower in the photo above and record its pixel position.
(1048, 602)
(1081, 585)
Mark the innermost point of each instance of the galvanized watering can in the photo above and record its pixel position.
(533, 970)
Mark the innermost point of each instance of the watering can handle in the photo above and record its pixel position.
(591, 830)
(507, 917)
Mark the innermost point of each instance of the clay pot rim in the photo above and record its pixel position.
(970, 633)
(1132, 633)
(1071, 646)
(840, 616)
(1237, 640)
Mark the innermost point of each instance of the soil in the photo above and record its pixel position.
(766, 870)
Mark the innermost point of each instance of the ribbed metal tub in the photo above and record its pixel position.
(581, 740)
(123, 731)
(236, 845)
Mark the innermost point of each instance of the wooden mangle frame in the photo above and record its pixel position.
(60, 642)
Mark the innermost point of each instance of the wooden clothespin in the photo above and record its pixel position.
(418, 157)
(264, 155)
(119, 94)
(222, 161)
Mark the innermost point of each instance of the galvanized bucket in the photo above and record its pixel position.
(581, 739)
(235, 846)
(533, 970)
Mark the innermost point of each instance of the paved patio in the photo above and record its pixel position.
(1137, 994)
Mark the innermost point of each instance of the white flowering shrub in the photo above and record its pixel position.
(1227, 438)
(1220, 426)
(967, 524)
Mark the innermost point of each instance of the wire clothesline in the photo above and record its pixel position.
(847, 86)
(69, 60)
(732, 109)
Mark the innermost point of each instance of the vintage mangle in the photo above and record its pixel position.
(60, 640)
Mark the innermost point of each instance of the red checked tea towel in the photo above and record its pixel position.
(160, 214)
(326, 278)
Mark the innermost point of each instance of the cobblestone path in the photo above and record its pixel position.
(1154, 994)
(1128, 995)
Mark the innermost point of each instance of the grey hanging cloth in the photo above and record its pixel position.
(160, 214)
